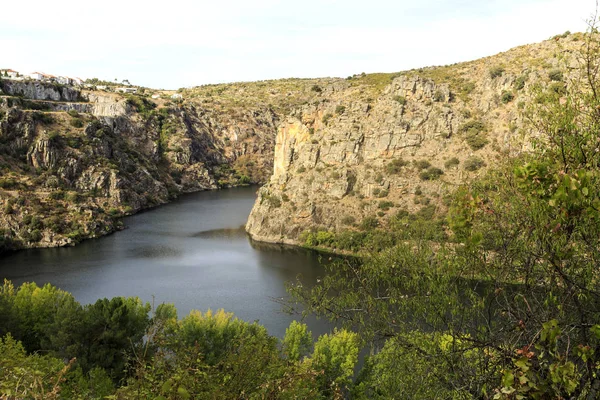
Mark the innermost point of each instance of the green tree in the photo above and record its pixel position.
(297, 341)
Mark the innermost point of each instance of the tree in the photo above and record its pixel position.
(516, 292)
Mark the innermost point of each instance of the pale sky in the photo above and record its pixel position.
(181, 43)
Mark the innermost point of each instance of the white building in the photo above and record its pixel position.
(65, 80)
(8, 73)
(156, 96)
(127, 90)
(177, 96)
(38, 76)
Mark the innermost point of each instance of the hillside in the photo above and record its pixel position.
(345, 150)
(360, 159)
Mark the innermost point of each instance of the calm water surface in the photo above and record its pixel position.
(193, 253)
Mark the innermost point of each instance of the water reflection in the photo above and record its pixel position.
(193, 252)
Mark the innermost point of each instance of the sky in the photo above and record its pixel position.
(182, 43)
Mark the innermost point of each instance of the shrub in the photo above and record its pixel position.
(555, 75)
(340, 109)
(73, 113)
(453, 162)
(507, 97)
(496, 72)
(316, 88)
(368, 223)
(42, 118)
(472, 125)
(557, 88)
(383, 193)
(438, 96)
(385, 205)
(422, 164)
(520, 82)
(476, 140)
(473, 163)
(348, 220)
(394, 166)
(301, 169)
(430, 174)
(400, 99)
(76, 123)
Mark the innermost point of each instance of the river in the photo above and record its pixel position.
(192, 252)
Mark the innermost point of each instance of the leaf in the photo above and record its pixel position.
(508, 379)
(183, 392)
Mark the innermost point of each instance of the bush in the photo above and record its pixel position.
(438, 96)
(340, 109)
(520, 82)
(473, 163)
(385, 205)
(73, 113)
(42, 118)
(507, 97)
(453, 162)
(368, 223)
(557, 88)
(476, 140)
(76, 123)
(555, 75)
(394, 166)
(348, 220)
(430, 174)
(400, 99)
(301, 169)
(472, 126)
(495, 72)
(316, 88)
(422, 164)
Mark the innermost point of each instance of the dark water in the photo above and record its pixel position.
(193, 253)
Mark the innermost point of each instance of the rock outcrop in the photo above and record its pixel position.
(355, 156)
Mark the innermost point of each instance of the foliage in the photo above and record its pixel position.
(507, 96)
(453, 162)
(395, 166)
(496, 72)
(473, 163)
(430, 174)
(297, 341)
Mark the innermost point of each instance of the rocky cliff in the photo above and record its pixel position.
(375, 146)
(72, 162)
(339, 152)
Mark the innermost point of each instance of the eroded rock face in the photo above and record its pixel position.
(352, 157)
(40, 91)
(75, 172)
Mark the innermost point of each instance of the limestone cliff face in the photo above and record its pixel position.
(71, 162)
(355, 155)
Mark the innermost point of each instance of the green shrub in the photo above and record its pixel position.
(382, 193)
(301, 169)
(394, 166)
(340, 109)
(453, 162)
(520, 82)
(73, 113)
(473, 163)
(557, 88)
(507, 97)
(368, 223)
(430, 174)
(76, 123)
(476, 140)
(348, 220)
(422, 164)
(400, 99)
(495, 72)
(472, 126)
(316, 88)
(438, 96)
(555, 75)
(385, 205)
